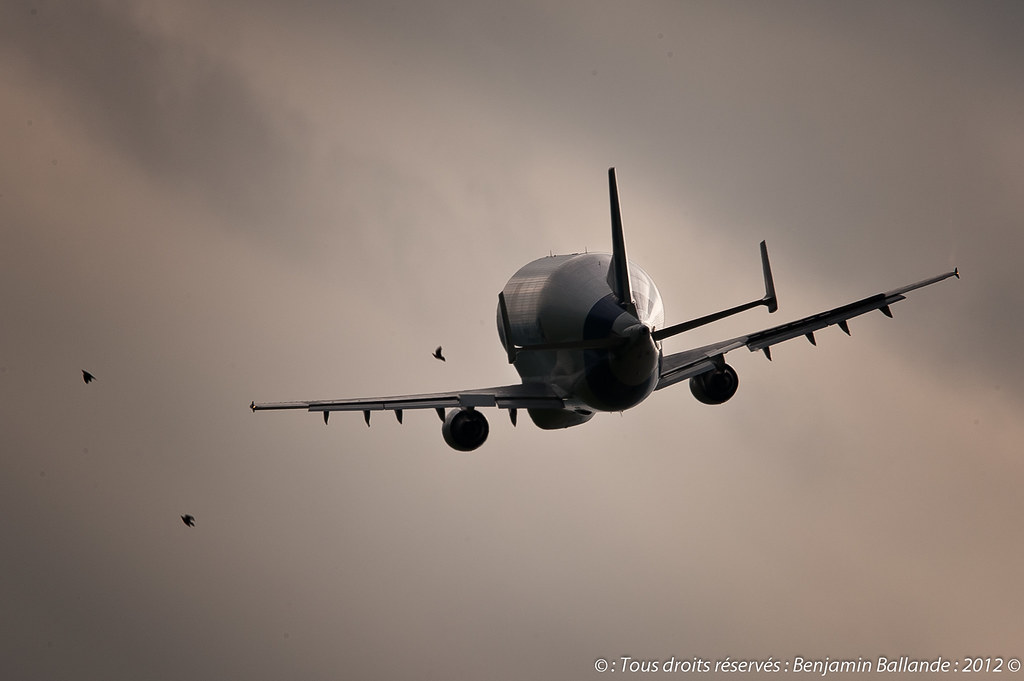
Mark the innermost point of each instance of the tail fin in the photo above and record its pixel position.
(769, 300)
(618, 271)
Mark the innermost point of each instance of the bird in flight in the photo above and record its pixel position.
(87, 377)
(438, 355)
(188, 520)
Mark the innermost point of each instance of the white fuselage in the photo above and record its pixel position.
(611, 364)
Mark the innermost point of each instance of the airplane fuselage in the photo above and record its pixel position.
(608, 360)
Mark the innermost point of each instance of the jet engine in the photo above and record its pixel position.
(465, 429)
(717, 386)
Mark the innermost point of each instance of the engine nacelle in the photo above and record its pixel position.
(465, 429)
(715, 387)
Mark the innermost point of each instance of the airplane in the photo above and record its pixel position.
(584, 331)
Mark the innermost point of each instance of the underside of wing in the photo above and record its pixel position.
(464, 427)
(690, 363)
(528, 395)
(763, 340)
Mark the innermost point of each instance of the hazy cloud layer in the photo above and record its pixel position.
(208, 205)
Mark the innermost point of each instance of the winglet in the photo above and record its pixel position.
(618, 271)
(770, 301)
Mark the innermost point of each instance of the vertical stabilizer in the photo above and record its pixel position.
(770, 300)
(618, 271)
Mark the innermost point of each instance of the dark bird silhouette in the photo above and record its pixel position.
(87, 377)
(188, 520)
(438, 355)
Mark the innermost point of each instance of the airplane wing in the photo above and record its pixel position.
(526, 395)
(689, 363)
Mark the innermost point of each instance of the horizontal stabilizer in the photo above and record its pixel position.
(768, 300)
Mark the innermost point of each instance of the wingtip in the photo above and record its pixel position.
(956, 272)
(252, 405)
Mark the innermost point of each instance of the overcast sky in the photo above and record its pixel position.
(205, 204)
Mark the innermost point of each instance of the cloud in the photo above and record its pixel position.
(301, 200)
(175, 109)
